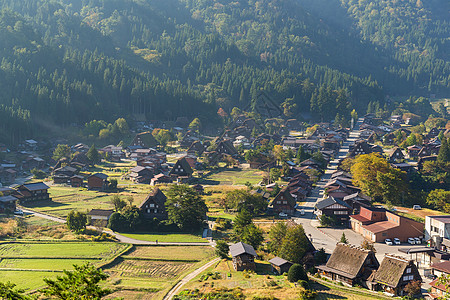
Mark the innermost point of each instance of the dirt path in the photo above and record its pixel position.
(177, 288)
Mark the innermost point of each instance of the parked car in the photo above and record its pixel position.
(417, 207)
(431, 276)
(412, 241)
(397, 241)
(388, 242)
(418, 241)
(18, 212)
(302, 212)
(282, 214)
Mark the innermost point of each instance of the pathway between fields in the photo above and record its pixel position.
(177, 288)
(121, 238)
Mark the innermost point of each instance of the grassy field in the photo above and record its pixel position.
(27, 263)
(166, 237)
(51, 250)
(233, 177)
(173, 252)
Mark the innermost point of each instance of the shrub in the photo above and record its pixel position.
(222, 249)
(296, 273)
(304, 284)
(307, 294)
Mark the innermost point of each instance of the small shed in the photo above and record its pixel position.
(243, 256)
(100, 217)
(280, 265)
(98, 181)
(76, 181)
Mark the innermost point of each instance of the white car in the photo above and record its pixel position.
(388, 242)
(282, 214)
(18, 212)
(412, 241)
(418, 241)
(302, 212)
(397, 241)
(417, 207)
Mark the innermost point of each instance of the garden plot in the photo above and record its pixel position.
(151, 269)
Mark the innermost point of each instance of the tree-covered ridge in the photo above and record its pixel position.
(74, 61)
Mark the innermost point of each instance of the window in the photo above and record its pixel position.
(152, 205)
(340, 212)
(408, 277)
(408, 270)
(284, 202)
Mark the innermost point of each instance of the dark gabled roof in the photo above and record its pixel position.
(7, 198)
(241, 248)
(147, 139)
(101, 212)
(287, 197)
(99, 175)
(184, 164)
(330, 201)
(278, 261)
(391, 270)
(348, 259)
(360, 195)
(157, 195)
(36, 186)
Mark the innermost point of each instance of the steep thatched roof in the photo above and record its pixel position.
(348, 260)
(156, 195)
(391, 270)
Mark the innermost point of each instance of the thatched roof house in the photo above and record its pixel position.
(350, 265)
(394, 274)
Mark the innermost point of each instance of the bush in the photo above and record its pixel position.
(304, 284)
(307, 294)
(38, 174)
(296, 273)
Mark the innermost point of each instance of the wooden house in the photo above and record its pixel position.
(160, 179)
(76, 181)
(357, 200)
(141, 174)
(145, 140)
(153, 205)
(413, 151)
(283, 202)
(393, 275)
(32, 192)
(226, 147)
(98, 181)
(359, 148)
(100, 217)
(7, 204)
(280, 265)
(350, 265)
(396, 155)
(243, 256)
(181, 169)
(335, 208)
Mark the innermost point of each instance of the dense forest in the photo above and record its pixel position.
(69, 62)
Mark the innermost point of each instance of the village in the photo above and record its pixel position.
(296, 174)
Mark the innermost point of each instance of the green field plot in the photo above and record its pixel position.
(52, 250)
(43, 264)
(166, 237)
(197, 253)
(233, 177)
(27, 280)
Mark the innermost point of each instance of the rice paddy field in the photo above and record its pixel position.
(27, 263)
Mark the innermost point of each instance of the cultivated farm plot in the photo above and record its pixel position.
(66, 250)
(189, 253)
(27, 263)
(166, 237)
(150, 269)
(42, 264)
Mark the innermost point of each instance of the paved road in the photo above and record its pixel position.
(121, 238)
(177, 288)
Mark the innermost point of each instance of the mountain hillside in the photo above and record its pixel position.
(70, 61)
